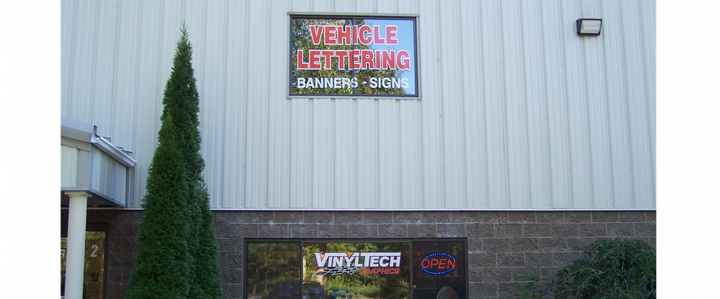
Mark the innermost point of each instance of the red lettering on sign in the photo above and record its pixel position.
(330, 35)
(301, 65)
(316, 33)
(376, 33)
(391, 34)
(437, 263)
(365, 40)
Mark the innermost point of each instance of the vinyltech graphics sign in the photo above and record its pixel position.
(353, 56)
(363, 263)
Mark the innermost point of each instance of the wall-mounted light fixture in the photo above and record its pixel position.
(588, 26)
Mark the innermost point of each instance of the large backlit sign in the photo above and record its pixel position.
(438, 263)
(354, 56)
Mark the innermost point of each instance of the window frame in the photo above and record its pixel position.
(415, 64)
(411, 242)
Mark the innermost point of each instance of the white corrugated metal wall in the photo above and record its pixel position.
(516, 111)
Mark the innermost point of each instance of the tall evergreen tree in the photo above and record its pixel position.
(180, 118)
(163, 262)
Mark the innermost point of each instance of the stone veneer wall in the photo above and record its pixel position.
(500, 244)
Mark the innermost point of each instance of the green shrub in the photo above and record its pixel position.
(620, 268)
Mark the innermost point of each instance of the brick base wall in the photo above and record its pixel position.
(500, 244)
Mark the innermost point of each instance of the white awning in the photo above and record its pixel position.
(92, 164)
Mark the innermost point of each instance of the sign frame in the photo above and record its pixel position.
(403, 82)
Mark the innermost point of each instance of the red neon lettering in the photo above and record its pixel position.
(434, 262)
(451, 263)
(425, 263)
(442, 264)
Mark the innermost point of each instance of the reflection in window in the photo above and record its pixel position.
(440, 270)
(359, 270)
(94, 264)
(273, 270)
(353, 56)
(315, 269)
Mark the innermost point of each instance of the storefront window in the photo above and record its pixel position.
(440, 270)
(311, 269)
(273, 270)
(93, 284)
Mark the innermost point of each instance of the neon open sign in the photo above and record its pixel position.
(438, 263)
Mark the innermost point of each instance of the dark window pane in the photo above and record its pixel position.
(273, 270)
(439, 270)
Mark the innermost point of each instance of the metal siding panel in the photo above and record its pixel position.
(212, 101)
(432, 106)
(323, 154)
(301, 145)
(559, 144)
(234, 151)
(126, 78)
(411, 165)
(537, 107)
(345, 158)
(365, 6)
(492, 32)
(388, 135)
(279, 127)
(647, 12)
(301, 140)
(453, 129)
(578, 125)
(387, 6)
(323, 5)
(80, 87)
(103, 110)
(520, 104)
(68, 23)
(343, 6)
(473, 103)
(618, 122)
(257, 108)
(139, 87)
(407, 6)
(516, 106)
(411, 151)
(108, 176)
(642, 164)
(367, 144)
